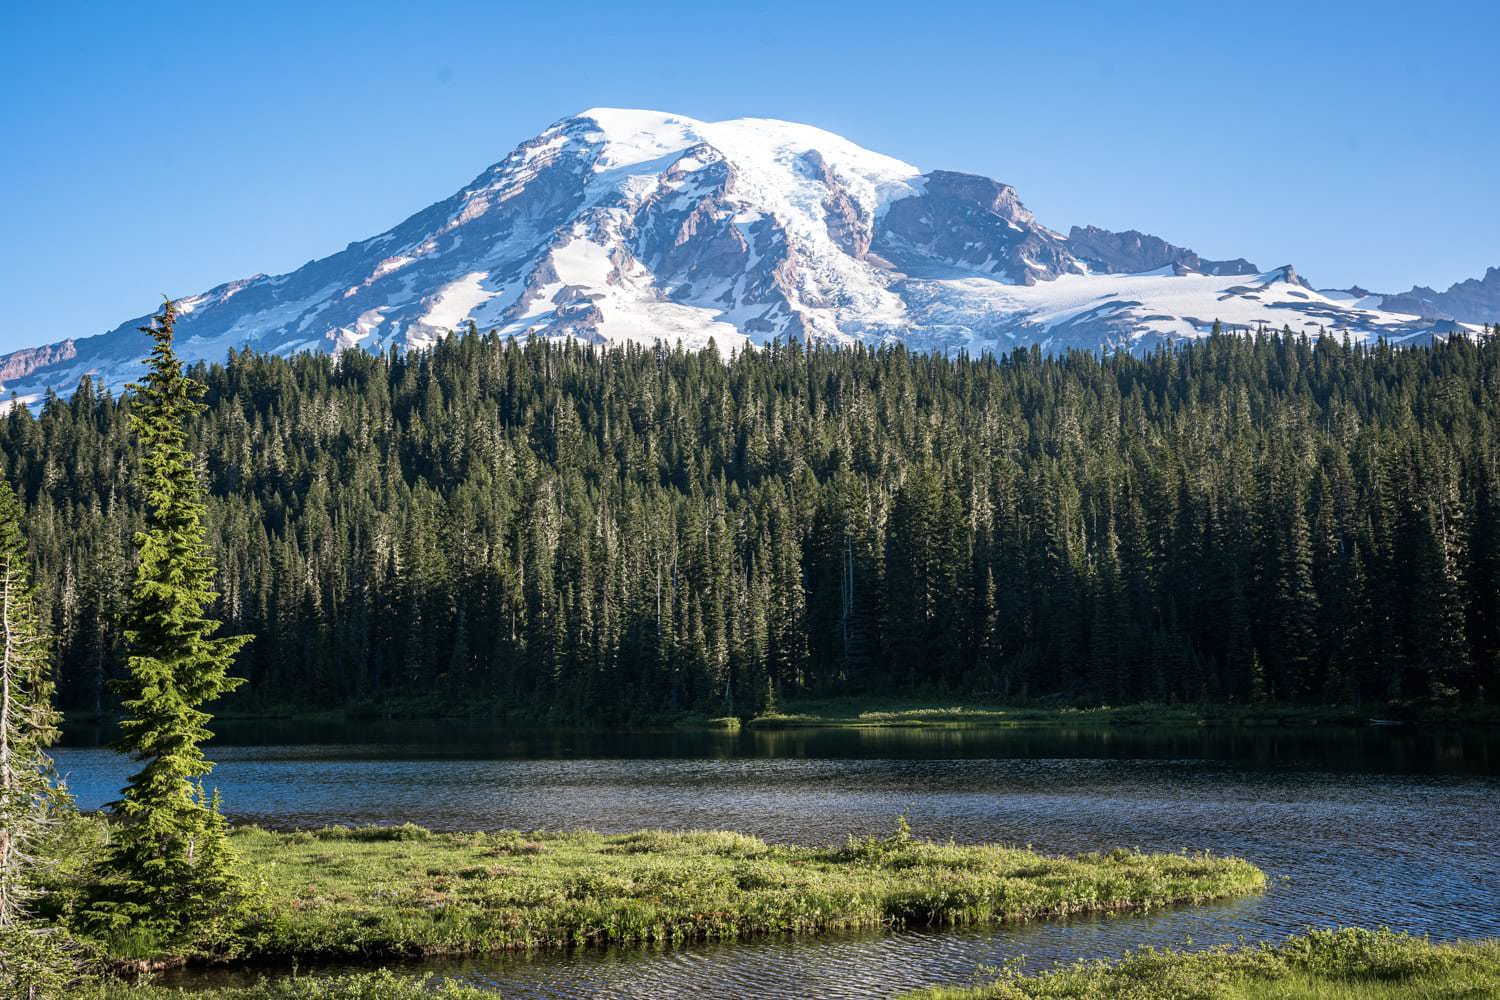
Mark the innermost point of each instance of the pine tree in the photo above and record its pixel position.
(33, 958)
(169, 872)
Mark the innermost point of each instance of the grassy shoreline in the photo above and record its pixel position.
(1341, 964)
(403, 892)
(934, 713)
(895, 711)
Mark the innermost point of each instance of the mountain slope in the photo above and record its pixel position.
(618, 225)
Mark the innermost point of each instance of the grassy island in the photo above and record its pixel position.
(1348, 964)
(377, 893)
(402, 891)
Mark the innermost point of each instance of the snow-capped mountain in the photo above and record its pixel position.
(618, 225)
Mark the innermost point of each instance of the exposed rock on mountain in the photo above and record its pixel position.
(974, 225)
(23, 362)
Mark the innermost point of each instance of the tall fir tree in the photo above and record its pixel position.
(169, 871)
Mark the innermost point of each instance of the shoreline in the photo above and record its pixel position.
(888, 712)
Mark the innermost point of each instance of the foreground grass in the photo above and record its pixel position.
(379, 985)
(1345, 964)
(385, 892)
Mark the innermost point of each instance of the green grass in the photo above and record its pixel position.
(1345, 964)
(383, 892)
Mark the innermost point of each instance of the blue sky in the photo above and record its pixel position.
(159, 147)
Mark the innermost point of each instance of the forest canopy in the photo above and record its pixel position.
(600, 534)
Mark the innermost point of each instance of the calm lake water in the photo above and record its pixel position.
(1384, 825)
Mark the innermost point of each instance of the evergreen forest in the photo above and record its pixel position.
(574, 533)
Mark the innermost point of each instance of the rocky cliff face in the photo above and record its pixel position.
(636, 226)
(1132, 252)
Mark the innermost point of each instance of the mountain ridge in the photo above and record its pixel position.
(1473, 300)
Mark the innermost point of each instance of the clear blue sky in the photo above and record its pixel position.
(158, 147)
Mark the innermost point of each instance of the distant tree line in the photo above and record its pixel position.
(598, 534)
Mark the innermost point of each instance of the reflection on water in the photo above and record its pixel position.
(1375, 826)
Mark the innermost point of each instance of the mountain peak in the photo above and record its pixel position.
(628, 119)
(1287, 274)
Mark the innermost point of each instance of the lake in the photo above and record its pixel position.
(1384, 825)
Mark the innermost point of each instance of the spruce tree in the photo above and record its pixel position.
(33, 958)
(169, 872)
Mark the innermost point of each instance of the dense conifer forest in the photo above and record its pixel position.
(589, 534)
